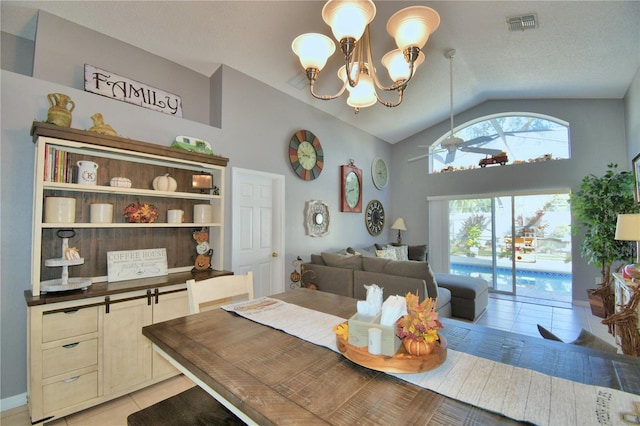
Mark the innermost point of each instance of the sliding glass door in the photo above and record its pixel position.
(520, 244)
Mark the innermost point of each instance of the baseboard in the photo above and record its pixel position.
(13, 402)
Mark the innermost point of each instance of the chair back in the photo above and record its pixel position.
(214, 292)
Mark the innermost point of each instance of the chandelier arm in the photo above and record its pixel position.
(312, 83)
(391, 104)
(400, 84)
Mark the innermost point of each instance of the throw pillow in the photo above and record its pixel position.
(401, 252)
(418, 253)
(339, 261)
(387, 254)
(378, 246)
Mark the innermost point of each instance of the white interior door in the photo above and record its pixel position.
(258, 229)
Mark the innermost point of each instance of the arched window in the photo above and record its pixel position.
(507, 138)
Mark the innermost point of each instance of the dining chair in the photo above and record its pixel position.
(213, 292)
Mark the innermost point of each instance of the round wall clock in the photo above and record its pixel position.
(351, 188)
(306, 155)
(379, 173)
(374, 217)
(317, 218)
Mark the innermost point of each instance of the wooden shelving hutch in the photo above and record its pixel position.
(85, 347)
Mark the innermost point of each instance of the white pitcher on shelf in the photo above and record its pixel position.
(87, 172)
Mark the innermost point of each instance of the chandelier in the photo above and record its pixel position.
(349, 21)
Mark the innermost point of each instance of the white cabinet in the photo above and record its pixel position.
(624, 290)
(85, 347)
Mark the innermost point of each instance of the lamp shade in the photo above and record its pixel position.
(364, 93)
(412, 26)
(313, 49)
(399, 224)
(348, 18)
(397, 65)
(628, 227)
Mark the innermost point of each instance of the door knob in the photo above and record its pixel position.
(274, 254)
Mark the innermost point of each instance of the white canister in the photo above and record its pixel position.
(202, 213)
(175, 216)
(59, 210)
(87, 172)
(101, 213)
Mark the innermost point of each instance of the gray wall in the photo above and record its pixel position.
(632, 116)
(597, 138)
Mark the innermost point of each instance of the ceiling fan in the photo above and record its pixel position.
(452, 144)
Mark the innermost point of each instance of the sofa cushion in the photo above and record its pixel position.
(404, 268)
(316, 259)
(418, 253)
(346, 262)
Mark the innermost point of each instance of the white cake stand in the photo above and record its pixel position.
(64, 283)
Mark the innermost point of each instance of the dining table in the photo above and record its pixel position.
(266, 376)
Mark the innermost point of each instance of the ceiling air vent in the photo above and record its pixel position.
(521, 23)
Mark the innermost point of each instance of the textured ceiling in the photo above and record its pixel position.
(581, 49)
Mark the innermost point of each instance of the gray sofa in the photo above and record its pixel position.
(459, 296)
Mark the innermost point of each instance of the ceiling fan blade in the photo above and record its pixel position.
(487, 151)
(451, 155)
(438, 157)
(419, 157)
(479, 140)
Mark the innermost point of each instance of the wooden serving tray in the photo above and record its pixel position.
(401, 362)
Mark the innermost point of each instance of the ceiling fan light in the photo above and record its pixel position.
(313, 49)
(412, 26)
(348, 19)
(397, 65)
(364, 94)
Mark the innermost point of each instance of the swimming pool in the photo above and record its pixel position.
(532, 283)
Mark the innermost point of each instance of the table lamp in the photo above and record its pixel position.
(400, 226)
(628, 229)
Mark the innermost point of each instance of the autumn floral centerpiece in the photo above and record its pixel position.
(418, 329)
(141, 213)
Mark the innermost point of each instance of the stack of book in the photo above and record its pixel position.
(57, 165)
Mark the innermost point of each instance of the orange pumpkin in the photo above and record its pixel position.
(418, 347)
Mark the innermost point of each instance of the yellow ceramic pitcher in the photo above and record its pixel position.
(59, 113)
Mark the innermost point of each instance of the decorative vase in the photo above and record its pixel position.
(58, 113)
(418, 347)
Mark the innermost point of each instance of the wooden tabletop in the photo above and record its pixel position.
(275, 378)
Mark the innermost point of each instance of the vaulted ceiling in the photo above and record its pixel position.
(581, 49)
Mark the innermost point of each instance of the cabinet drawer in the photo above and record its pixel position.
(69, 357)
(69, 324)
(70, 391)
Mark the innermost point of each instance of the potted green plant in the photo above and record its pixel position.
(595, 208)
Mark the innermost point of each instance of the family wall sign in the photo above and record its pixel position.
(124, 89)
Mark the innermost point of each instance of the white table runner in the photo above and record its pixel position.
(515, 392)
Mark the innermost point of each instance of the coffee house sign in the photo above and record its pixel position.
(113, 86)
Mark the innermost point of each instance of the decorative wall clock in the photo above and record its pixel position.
(317, 218)
(351, 200)
(379, 173)
(374, 217)
(306, 155)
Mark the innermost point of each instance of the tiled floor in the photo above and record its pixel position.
(506, 313)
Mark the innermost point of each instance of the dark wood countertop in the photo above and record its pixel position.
(101, 289)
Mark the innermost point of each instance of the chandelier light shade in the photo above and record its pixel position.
(313, 49)
(349, 21)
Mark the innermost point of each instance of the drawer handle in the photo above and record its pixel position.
(71, 345)
(71, 379)
(71, 311)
